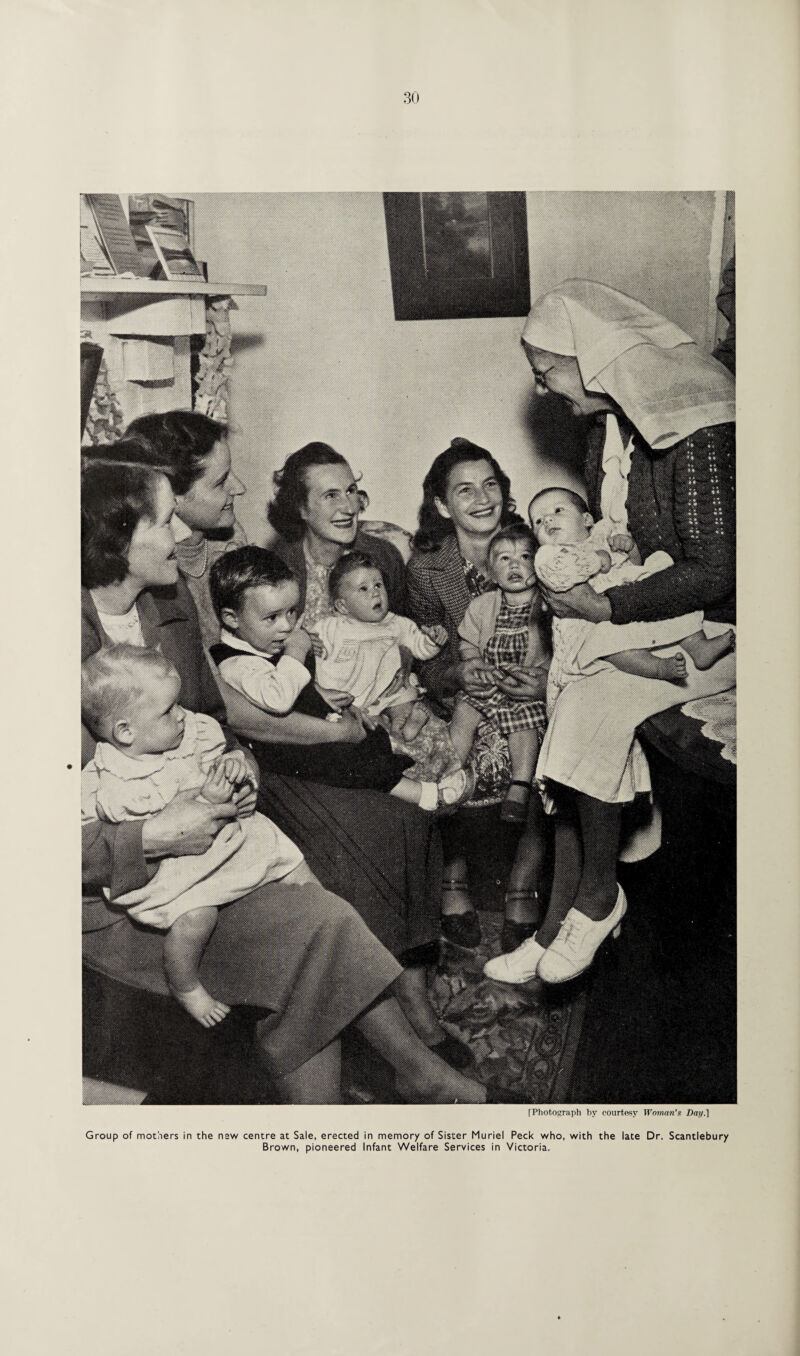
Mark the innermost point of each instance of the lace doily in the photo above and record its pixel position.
(718, 717)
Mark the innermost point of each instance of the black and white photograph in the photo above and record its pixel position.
(409, 654)
(402, 788)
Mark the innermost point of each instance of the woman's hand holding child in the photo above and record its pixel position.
(579, 601)
(186, 827)
(472, 675)
(518, 681)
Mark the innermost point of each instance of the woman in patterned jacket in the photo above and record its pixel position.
(466, 501)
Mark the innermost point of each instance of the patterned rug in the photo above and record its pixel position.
(524, 1036)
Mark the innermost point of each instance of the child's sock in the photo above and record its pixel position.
(428, 796)
(456, 787)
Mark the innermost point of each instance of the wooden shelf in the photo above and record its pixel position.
(148, 288)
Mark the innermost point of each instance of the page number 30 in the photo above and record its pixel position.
(410, 96)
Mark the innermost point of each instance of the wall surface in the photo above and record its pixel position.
(322, 357)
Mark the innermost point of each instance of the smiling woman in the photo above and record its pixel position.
(343, 834)
(193, 452)
(208, 505)
(466, 502)
(315, 510)
(558, 374)
(295, 952)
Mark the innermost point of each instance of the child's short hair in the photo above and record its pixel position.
(348, 564)
(111, 683)
(514, 532)
(233, 573)
(575, 499)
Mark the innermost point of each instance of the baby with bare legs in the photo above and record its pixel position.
(151, 751)
(574, 549)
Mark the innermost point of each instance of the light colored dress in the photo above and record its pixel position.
(363, 658)
(244, 855)
(591, 743)
(582, 647)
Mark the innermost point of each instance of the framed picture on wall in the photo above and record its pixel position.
(457, 256)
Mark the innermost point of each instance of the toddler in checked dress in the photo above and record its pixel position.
(503, 628)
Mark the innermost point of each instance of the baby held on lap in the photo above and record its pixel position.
(151, 751)
(361, 643)
(265, 655)
(573, 549)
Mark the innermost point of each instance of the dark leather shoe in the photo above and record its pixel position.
(453, 1052)
(462, 929)
(514, 934)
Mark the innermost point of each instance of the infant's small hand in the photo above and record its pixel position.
(622, 542)
(218, 787)
(438, 634)
(236, 767)
(604, 561)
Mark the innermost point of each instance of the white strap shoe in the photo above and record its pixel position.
(577, 942)
(516, 967)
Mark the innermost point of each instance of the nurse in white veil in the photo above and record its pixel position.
(661, 464)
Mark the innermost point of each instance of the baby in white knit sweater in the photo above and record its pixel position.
(574, 549)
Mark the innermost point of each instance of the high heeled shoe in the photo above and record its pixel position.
(516, 967)
(516, 811)
(577, 942)
(513, 934)
(462, 929)
(453, 1052)
(514, 931)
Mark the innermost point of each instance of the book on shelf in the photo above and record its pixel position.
(115, 233)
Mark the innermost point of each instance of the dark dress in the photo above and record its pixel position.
(380, 853)
(368, 766)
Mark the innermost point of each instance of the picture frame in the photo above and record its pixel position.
(174, 255)
(458, 256)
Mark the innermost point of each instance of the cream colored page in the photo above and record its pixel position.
(214, 1246)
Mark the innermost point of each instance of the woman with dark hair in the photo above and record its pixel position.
(315, 512)
(193, 452)
(380, 854)
(298, 952)
(466, 500)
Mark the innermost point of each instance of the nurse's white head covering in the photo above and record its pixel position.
(655, 372)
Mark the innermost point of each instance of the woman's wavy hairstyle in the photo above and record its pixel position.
(433, 528)
(291, 489)
(115, 496)
(179, 442)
